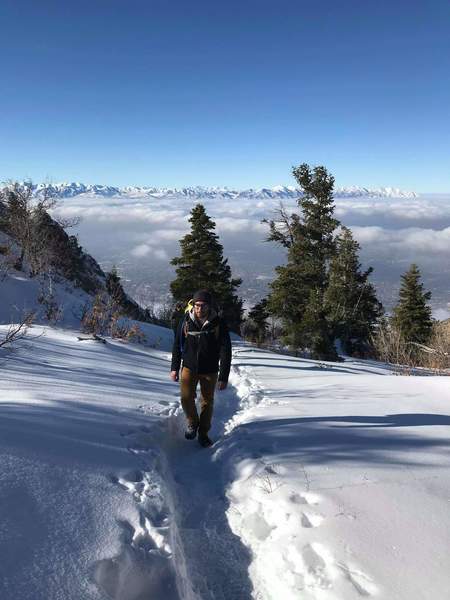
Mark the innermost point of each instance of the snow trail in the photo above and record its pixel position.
(216, 560)
(143, 569)
(242, 532)
(179, 545)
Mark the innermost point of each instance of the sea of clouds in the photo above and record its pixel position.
(140, 235)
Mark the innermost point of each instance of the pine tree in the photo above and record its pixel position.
(257, 318)
(114, 287)
(298, 290)
(412, 315)
(202, 266)
(350, 301)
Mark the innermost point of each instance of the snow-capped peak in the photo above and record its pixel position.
(281, 192)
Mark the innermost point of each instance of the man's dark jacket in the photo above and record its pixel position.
(201, 348)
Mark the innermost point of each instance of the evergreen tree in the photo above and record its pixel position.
(202, 266)
(298, 291)
(114, 287)
(257, 320)
(350, 301)
(412, 315)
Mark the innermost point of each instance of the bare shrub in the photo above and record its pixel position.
(17, 331)
(21, 220)
(97, 318)
(391, 348)
(43, 244)
(53, 311)
(436, 354)
(105, 317)
(125, 330)
(268, 479)
(405, 356)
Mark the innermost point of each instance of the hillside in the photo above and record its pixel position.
(44, 270)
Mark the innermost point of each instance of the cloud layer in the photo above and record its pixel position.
(142, 235)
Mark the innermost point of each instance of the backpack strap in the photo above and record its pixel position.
(183, 331)
(184, 324)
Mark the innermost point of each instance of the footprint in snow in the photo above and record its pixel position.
(139, 484)
(310, 520)
(319, 567)
(304, 498)
(142, 569)
(310, 561)
(363, 584)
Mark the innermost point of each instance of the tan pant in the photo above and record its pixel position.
(188, 385)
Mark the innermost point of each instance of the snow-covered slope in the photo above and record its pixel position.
(281, 192)
(70, 431)
(342, 490)
(327, 481)
(20, 296)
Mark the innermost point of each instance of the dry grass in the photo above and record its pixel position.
(408, 357)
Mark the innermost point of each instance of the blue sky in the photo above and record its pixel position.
(225, 93)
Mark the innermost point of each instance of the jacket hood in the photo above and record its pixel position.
(212, 316)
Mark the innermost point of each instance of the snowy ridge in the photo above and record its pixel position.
(279, 192)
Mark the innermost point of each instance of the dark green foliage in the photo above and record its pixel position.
(202, 266)
(113, 285)
(298, 290)
(412, 315)
(256, 324)
(350, 300)
(317, 205)
(315, 329)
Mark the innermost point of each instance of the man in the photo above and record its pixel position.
(202, 342)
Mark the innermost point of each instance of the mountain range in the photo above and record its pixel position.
(70, 190)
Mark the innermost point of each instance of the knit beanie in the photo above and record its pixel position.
(203, 296)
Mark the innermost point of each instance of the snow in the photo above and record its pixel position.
(70, 190)
(19, 296)
(70, 431)
(344, 490)
(327, 481)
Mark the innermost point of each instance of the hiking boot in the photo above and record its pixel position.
(191, 432)
(204, 440)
